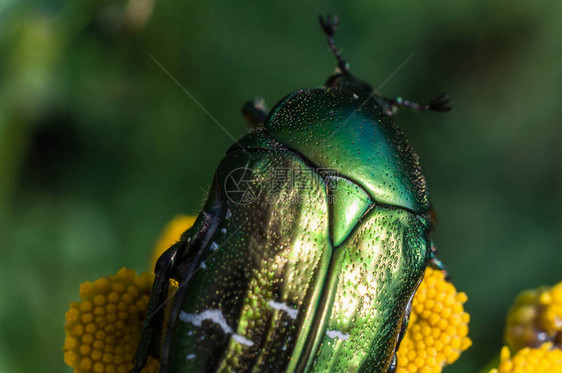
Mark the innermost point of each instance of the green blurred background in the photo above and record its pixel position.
(99, 148)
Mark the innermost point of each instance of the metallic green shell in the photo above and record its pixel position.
(371, 279)
(273, 292)
(344, 129)
(260, 278)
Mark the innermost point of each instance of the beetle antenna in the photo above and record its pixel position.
(329, 25)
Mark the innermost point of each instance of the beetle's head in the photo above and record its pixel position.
(345, 79)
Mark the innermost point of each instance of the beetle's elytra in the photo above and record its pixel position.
(310, 247)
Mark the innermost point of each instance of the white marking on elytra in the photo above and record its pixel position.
(223, 230)
(355, 96)
(203, 265)
(283, 307)
(337, 334)
(190, 356)
(228, 214)
(242, 340)
(214, 246)
(213, 315)
(217, 317)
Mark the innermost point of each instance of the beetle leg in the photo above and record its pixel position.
(440, 103)
(330, 26)
(254, 112)
(437, 264)
(152, 329)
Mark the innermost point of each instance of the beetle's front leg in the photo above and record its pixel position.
(440, 103)
(436, 263)
(254, 112)
(154, 321)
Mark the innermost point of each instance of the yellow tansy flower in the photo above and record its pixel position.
(535, 318)
(104, 328)
(171, 235)
(545, 359)
(438, 330)
(534, 333)
(551, 317)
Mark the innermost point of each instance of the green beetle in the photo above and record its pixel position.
(310, 247)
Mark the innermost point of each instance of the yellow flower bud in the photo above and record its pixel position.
(535, 318)
(544, 359)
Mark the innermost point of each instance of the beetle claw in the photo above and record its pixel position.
(440, 103)
(329, 24)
